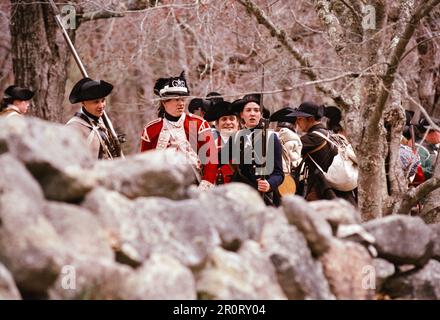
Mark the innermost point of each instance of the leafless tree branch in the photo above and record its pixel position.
(414, 195)
(394, 61)
(300, 57)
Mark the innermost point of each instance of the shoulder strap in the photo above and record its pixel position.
(307, 155)
(326, 138)
(94, 131)
(322, 145)
(84, 117)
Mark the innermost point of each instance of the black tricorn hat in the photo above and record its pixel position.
(17, 93)
(218, 110)
(173, 86)
(283, 115)
(239, 104)
(309, 109)
(198, 103)
(89, 89)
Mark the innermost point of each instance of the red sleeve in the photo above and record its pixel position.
(210, 155)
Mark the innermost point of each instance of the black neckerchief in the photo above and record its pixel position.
(88, 114)
(170, 117)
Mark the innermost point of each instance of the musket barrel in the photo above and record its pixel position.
(67, 38)
(105, 118)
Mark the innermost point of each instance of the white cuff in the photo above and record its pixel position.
(205, 185)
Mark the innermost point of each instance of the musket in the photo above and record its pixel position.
(264, 132)
(112, 136)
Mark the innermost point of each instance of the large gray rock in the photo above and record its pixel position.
(30, 248)
(161, 278)
(8, 289)
(79, 230)
(247, 274)
(180, 229)
(115, 214)
(435, 237)
(235, 219)
(299, 275)
(421, 284)
(54, 154)
(401, 239)
(161, 173)
(347, 266)
(336, 212)
(315, 228)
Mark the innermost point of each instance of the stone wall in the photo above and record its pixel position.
(136, 228)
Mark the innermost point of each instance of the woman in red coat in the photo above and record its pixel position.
(181, 131)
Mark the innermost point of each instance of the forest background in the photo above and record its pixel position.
(371, 58)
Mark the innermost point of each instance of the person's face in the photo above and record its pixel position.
(304, 124)
(22, 105)
(251, 115)
(174, 106)
(433, 137)
(95, 107)
(227, 124)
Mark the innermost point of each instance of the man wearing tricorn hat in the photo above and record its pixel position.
(318, 153)
(176, 129)
(15, 101)
(260, 163)
(88, 121)
(226, 125)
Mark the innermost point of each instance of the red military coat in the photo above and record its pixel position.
(227, 170)
(192, 124)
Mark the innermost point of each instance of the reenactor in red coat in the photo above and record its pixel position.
(184, 132)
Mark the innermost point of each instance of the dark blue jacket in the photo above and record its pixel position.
(254, 165)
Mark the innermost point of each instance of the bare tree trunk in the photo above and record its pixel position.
(429, 62)
(39, 57)
(394, 122)
(371, 147)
